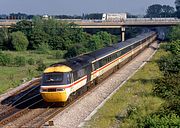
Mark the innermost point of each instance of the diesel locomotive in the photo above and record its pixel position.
(63, 80)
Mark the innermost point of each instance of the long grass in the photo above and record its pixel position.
(132, 101)
(11, 77)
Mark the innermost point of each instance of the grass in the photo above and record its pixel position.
(11, 77)
(132, 101)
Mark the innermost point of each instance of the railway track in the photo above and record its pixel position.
(18, 95)
(33, 112)
(13, 112)
(17, 104)
(51, 111)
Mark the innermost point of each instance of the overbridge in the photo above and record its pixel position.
(112, 24)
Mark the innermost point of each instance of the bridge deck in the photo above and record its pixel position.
(112, 24)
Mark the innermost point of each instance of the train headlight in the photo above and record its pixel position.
(60, 89)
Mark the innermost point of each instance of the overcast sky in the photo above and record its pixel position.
(77, 7)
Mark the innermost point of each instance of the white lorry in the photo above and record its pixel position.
(117, 17)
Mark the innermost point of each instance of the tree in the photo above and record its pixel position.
(4, 38)
(95, 43)
(167, 11)
(23, 26)
(37, 38)
(177, 3)
(56, 43)
(105, 37)
(175, 33)
(154, 10)
(19, 41)
(158, 10)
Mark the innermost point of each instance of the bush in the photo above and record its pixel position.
(59, 54)
(175, 33)
(41, 67)
(160, 121)
(6, 59)
(19, 41)
(43, 48)
(20, 61)
(31, 61)
(170, 64)
(40, 61)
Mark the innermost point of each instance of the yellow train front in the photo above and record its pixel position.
(55, 82)
(66, 79)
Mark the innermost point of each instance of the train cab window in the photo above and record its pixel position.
(53, 77)
(56, 79)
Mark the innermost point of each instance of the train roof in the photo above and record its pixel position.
(107, 50)
(77, 62)
(101, 52)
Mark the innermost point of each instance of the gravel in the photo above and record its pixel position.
(83, 109)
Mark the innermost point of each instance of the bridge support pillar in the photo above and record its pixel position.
(123, 29)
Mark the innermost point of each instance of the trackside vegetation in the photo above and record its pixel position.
(17, 67)
(151, 98)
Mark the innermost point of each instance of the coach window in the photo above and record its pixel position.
(101, 63)
(123, 51)
(108, 59)
(95, 65)
(104, 61)
(118, 53)
(80, 73)
(114, 56)
(75, 75)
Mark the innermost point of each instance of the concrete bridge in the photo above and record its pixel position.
(129, 22)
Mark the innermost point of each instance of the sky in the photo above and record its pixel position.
(78, 7)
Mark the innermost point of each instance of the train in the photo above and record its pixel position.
(64, 80)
